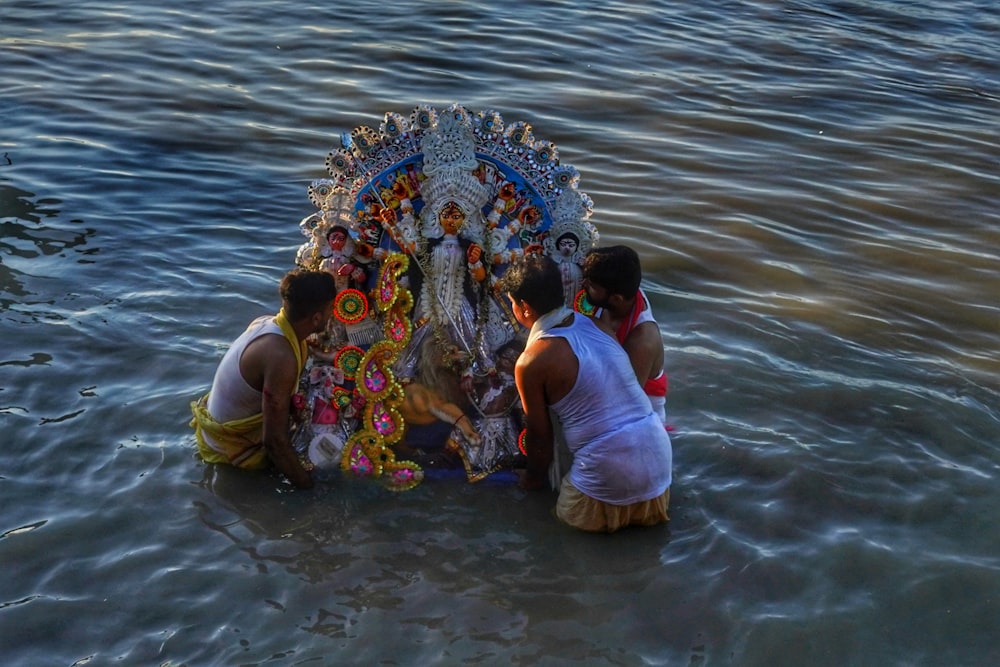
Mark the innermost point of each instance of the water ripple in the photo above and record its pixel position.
(812, 188)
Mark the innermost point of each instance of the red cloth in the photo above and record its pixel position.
(656, 386)
(324, 412)
(629, 322)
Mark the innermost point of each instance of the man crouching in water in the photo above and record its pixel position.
(621, 471)
(245, 419)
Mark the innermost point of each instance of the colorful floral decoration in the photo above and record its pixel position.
(397, 328)
(582, 305)
(341, 398)
(368, 452)
(348, 359)
(522, 436)
(386, 421)
(362, 455)
(402, 476)
(350, 306)
(375, 375)
(388, 289)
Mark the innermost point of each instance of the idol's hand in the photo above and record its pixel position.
(387, 216)
(399, 190)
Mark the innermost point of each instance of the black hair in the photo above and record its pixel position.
(615, 268)
(306, 292)
(534, 280)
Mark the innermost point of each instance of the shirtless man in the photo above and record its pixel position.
(245, 419)
(611, 277)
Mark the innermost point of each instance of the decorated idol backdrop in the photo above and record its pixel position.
(417, 221)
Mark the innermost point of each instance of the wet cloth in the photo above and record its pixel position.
(583, 512)
(621, 453)
(227, 421)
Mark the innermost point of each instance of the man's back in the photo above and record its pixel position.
(621, 452)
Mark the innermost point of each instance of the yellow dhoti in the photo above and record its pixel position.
(240, 439)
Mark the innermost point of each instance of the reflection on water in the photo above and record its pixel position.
(36, 358)
(25, 235)
(370, 556)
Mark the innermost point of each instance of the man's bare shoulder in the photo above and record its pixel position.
(268, 351)
(645, 334)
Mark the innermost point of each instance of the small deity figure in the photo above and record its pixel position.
(308, 255)
(348, 262)
(321, 437)
(342, 262)
(569, 239)
(567, 257)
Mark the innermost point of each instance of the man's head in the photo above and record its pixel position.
(534, 280)
(307, 293)
(611, 271)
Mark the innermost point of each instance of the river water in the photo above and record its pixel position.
(813, 187)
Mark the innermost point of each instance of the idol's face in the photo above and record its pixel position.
(337, 240)
(452, 218)
(567, 245)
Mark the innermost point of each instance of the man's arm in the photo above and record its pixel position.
(280, 381)
(544, 373)
(644, 346)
